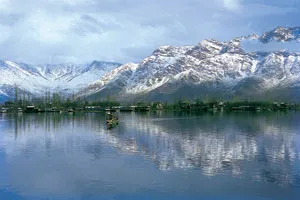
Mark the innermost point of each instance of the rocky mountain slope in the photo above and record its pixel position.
(37, 79)
(210, 69)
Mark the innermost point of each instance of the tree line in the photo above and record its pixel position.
(60, 101)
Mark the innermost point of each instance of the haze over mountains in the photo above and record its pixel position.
(210, 69)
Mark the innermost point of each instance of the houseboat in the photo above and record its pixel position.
(31, 109)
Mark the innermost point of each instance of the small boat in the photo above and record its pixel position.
(71, 110)
(31, 109)
(3, 110)
(127, 109)
(108, 110)
(111, 121)
(142, 108)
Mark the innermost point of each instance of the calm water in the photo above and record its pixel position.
(150, 156)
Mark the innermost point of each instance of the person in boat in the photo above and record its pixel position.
(111, 117)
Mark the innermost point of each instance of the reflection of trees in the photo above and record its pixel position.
(254, 146)
(53, 122)
(67, 131)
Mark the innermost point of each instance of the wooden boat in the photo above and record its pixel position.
(142, 108)
(70, 110)
(31, 109)
(110, 110)
(111, 120)
(127, 109)
(3, 110)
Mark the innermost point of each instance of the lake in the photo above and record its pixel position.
(159, 155)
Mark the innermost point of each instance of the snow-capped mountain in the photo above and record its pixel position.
(37, 79)
(210, 69)
(111, 83)
(282, 34)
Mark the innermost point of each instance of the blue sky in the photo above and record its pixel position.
(56, 31)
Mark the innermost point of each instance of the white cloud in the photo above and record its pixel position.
(232, 5)
(117, 30)
(4, 5)
(264, 10)
(5, 33)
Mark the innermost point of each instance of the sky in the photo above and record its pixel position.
(79, 31)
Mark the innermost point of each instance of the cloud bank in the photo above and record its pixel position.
(55, 31)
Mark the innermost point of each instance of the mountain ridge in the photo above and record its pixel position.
(37, 79)
(210, 68)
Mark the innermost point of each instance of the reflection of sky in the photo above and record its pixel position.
(74, 156)
(257, 46)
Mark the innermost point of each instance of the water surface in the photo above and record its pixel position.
(163, 155)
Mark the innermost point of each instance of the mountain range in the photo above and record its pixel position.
(211, 69)
(38, 79)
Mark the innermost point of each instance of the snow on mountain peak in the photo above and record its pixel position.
(210, 67)
(59, 77)
(225, 67)
(281, 34)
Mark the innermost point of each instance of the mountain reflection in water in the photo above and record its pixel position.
(75, 153)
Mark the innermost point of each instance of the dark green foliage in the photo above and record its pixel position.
(58, 102)
(215, 105)
(104, 104)
(8, 103)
